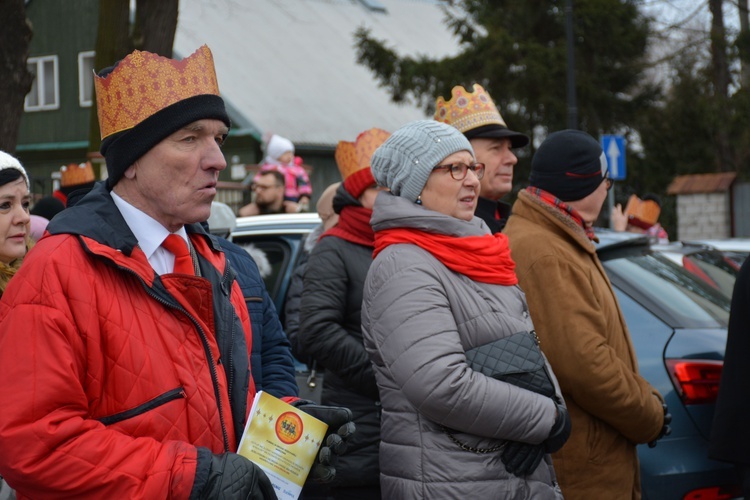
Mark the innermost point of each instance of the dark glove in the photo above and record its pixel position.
(340, 428)
(522, 459)
(233, 476)
(560, 431)
(666, 429)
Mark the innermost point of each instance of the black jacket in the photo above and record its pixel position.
(486, 210)
(730, 434)
(271, 359)
(294, 295)
(331, 333)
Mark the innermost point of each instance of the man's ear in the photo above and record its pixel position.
(130, 172)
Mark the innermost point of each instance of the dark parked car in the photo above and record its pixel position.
(678, 324)
(717, 268)
(736, 249)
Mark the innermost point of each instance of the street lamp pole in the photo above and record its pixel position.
(571, 67)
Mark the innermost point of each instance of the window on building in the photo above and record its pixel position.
(45, 89)
(86, 78)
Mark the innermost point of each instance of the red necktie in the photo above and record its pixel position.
(183, 262)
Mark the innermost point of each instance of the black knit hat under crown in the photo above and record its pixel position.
(121, 150)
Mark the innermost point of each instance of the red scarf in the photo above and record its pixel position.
(354, 226)
(553, 201)
(482, 258)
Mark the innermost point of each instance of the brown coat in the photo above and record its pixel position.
(584, 336)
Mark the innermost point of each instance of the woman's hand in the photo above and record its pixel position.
(619, 219)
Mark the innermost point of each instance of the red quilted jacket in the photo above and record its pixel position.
(111, 376)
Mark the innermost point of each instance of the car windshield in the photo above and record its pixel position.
(668, 290)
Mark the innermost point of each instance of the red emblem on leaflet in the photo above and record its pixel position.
(289, 427)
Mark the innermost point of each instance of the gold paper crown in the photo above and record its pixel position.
(74, 174)
(354, 156)
(645, 211)
(468, 110)
(144, 83)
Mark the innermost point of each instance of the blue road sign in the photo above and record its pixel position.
(614, 150)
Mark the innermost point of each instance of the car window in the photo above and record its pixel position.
(273, 255)
(736, 256)
(678, 297)
(714, 268)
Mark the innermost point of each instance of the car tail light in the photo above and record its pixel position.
(696, 380)
(714, 493)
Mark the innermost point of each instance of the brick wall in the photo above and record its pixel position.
(703, 215)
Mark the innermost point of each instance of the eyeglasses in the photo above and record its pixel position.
(458, 170)
(261, 187)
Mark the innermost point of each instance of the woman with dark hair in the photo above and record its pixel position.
(14, 234)
(442, 289)
(14, 217)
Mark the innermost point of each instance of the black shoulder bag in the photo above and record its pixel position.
(515, 359)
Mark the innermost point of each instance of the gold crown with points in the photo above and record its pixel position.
(642, 213)
(468, 110)
(144, 83)
(354, 156)
(74, 174)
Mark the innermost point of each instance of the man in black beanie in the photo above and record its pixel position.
(126, 342)
(578, 320)
(476, 116)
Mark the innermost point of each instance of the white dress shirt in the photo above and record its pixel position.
(150, 235)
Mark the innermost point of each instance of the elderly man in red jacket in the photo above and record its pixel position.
(125, 340)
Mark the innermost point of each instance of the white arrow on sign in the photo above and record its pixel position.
(613, 154)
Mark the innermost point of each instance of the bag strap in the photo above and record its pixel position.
(472, 449)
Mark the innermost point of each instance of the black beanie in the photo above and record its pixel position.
(122, 149)
(569, 164)
(47, 207)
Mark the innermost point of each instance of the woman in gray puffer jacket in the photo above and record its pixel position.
(439, 286)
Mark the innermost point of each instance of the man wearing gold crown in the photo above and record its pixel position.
(475, 115)
(125, 340)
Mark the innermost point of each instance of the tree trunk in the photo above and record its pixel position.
(154, 31)
(743, 43)
(721, 85)
(112, 44)
(15, 78)
(155, 26)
